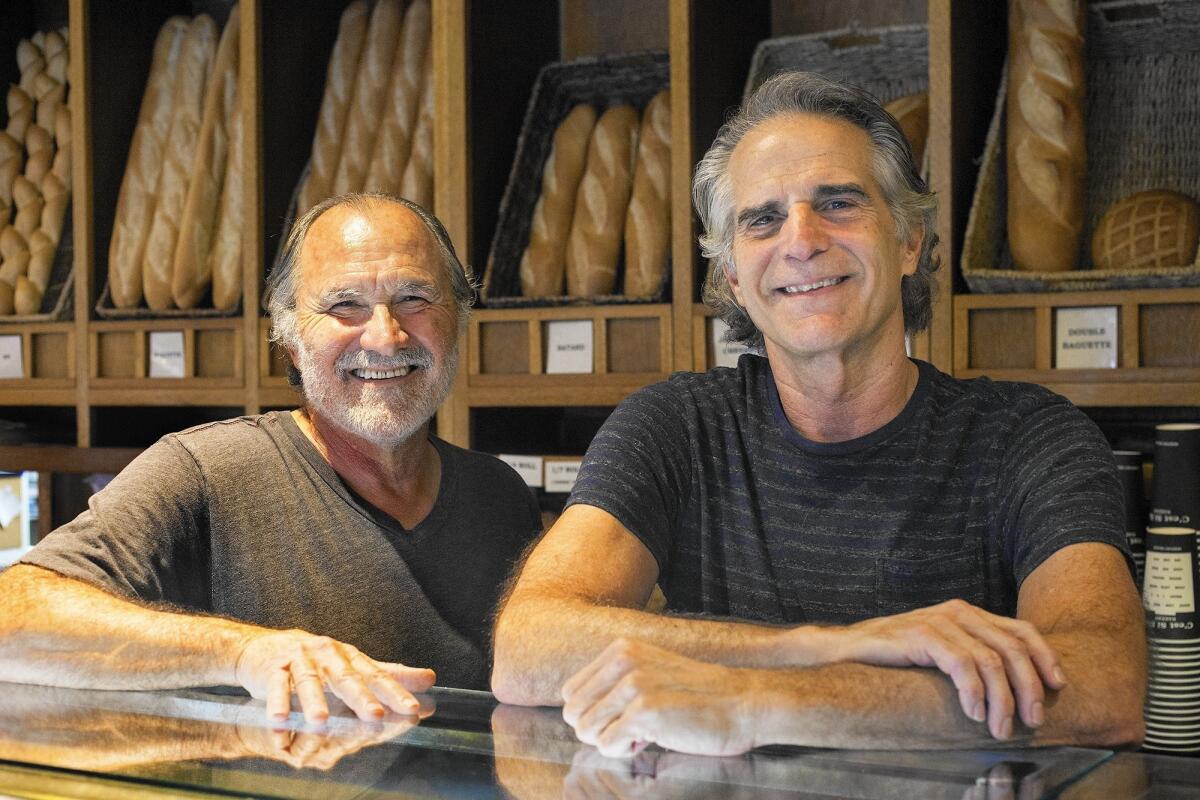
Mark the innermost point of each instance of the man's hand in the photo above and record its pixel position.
(634, 694)
(989, 658)
(275, 665)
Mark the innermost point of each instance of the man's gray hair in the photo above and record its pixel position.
(280, 294)
(912, 205)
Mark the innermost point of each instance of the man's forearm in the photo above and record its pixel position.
(542, 641)
(63, 632)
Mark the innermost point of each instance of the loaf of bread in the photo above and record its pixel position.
(417, 184)
(27, 297)
(335, 106)
(18, 123)
(912, 112)
(370, 89)
(1047, 153)
(47, 107)
(135, 202)
(38, 165)
(12, 160)
(394, 140)
(25, 191)
(1148, 230)
(225, 256)
(17, 99)
(41, 259)
(648, 219)
(190, 276)
(543, 263)
(31, 73)
(29, 216)
(11, 242)
(600, 204)
(195, 62)
(37, 140)
(14, 266)
(54, 212)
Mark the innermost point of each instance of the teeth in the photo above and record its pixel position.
(808, 287)
(379, 375)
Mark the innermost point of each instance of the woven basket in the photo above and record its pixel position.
(56, 301)
(1143, 132)
(602, 81)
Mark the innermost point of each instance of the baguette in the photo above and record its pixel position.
(225, 257)
(41, 258)
(27, 297)
(54, 212)
(335, 104)
(135, 202)
(394, 140)
(417, 184)
(600, 204)
(542, 264)
(1047, 154)
(195, 60)
(190, 276)
(648, 219)
(366, 104)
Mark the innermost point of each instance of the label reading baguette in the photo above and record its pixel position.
(1086, 338)
(166, 354)
(569, 347)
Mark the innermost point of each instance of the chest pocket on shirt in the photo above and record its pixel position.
(904, 584)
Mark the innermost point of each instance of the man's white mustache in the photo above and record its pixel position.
(365, 359)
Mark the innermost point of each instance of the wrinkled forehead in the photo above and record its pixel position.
(798, 142)
(378, 236)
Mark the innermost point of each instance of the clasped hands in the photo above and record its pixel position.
(278, 664)
(634, 693)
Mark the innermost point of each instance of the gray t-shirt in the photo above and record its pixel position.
(962, 495)
(244, 518)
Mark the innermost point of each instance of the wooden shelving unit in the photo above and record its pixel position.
(488, 55)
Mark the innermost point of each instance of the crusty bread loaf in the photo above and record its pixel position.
(54, 213)
(135, 203)
(1147, 230)
(595, 241)
(394, 140)
(648, 219)
(543, 263)
(195, 61)
(370, 88)
(912, 112)
(41, 258)
(190, 276)
(417, 184)
(18, 123)
(335, 105)
(1047, 153)
(27, 297)
(225, 256)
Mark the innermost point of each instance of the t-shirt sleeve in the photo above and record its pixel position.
(141, 535)
(1061, 488)
(638, 468)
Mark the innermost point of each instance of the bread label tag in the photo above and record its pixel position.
(166, 354)
(528, 467)
(1086, 338)
(569, 349)
(725, 354)
(12, 364)
(560, 475)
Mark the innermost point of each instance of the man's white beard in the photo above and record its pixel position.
(383, 415)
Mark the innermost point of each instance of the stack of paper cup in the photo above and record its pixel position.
(1169, 596)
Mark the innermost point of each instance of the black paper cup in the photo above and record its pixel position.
(1176, 491)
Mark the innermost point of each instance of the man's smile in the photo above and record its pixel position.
(806, 288)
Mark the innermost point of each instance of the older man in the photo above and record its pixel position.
(336, 547)
(856, 549)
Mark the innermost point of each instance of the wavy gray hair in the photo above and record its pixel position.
(912, 205)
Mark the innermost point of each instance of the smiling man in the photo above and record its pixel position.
(856, 549)
(338, 547)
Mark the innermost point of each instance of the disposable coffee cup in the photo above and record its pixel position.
(1133, 489)
(1176, 490)
(1169, 593)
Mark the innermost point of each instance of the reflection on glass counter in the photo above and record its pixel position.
(132, 744)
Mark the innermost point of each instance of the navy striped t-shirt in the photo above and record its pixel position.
(962, 495)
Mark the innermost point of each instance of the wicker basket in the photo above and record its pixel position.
(1143, 132)
(602, 81)
(56, 301)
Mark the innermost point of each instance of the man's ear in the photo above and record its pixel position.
(912, 251)
(732, 278)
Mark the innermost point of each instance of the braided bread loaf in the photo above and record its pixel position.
(648, 220)
(417, 184)
(394, 140)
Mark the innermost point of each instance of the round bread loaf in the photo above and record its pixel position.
(1148, 230)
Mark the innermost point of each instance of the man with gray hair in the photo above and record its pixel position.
(856, 549)
(337, 547)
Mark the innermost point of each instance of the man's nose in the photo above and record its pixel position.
(805, 231)
(383, 332)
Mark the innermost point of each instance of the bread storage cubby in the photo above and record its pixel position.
(487, 56)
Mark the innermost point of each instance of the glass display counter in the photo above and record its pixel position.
(96, 744)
